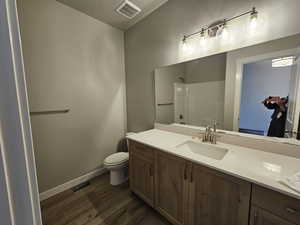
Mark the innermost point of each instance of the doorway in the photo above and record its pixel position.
(262, 80)
(264, 57)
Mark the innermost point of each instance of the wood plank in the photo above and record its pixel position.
(99, 204)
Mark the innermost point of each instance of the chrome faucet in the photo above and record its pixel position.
(210, 134)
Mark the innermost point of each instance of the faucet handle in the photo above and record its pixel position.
(215, 123)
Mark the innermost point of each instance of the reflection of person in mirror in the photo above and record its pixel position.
(277, 124)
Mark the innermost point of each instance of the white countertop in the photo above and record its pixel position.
(255, 166)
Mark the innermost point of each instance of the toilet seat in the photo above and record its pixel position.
(116, 159)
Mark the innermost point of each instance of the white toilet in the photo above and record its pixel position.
(117, 164)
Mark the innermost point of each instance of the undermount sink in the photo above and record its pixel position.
(207, 150)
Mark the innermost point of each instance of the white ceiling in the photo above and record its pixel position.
(104, 10)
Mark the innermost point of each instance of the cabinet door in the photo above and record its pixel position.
(141, 178)
(279, 204)
(170, 186)
(217, 199)
(262, 217)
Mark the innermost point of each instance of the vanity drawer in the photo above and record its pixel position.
(141, 150)
(281, 205)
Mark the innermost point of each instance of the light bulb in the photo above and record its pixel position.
(253, 19)
(253, 22)
(202, 41)
(184, 44)
(224, 32)
(186, 47)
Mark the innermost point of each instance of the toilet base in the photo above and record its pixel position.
(119, 176)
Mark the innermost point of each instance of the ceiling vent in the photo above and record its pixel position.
(128, 9)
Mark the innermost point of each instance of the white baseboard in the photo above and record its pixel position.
(72, 183)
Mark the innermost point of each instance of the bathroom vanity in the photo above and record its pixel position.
(195, 183)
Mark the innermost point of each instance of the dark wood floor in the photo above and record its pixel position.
(99, 204)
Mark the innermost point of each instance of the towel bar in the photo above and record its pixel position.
(162, 104)
(49, 112)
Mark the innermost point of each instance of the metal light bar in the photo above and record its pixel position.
(253, 12)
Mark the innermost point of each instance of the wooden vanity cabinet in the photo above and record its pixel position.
(141, 171)
(217, 199)
(187, 193)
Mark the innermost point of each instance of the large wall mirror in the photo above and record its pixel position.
(253, 90)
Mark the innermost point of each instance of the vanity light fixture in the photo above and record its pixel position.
(220, 27)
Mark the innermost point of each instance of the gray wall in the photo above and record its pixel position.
(212, 68)
(156, 41)
(72, 61)
(261, 80)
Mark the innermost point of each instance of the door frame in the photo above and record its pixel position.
(19, 195)
(239, 78)
(297, 107)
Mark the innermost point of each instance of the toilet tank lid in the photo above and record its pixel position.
(117, 158)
